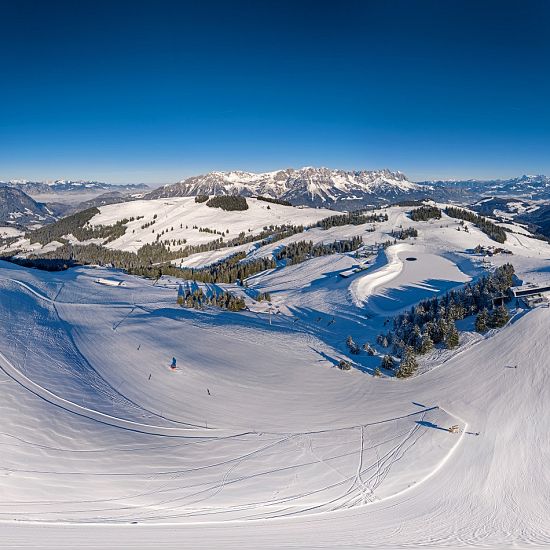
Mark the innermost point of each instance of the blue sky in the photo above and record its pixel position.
(157, 91)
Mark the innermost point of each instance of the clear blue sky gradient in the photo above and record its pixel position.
(156, 91)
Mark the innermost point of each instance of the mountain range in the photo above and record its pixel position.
(349, 190)
(69, 186)
(316, 187)
(341, 189)
(535, 187)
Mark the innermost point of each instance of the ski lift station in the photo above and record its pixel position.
(531, 294)
(355, 269)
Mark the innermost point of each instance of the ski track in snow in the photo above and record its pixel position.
(295, 454)
(209, 491)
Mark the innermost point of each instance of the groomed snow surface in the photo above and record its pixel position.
(257, 440)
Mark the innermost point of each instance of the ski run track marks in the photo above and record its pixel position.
(257, 441)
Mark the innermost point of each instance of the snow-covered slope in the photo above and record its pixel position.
(183, 222)
(338, 189)
(257, 440)
(182, 218)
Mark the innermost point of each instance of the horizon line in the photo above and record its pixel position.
(132, 181)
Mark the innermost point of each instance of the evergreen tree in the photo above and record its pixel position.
(482, 320)
(415, 339)
(425, 213)
(499, 317)
(382, 340)
(495, 232)
(441, 329)
(228, 202)
(451, 338)
(387, 362)
(352, 346)
(344, 365)
(408, 364)
(368, 348)
(427, 343)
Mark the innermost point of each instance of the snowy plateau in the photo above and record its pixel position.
(132, 421)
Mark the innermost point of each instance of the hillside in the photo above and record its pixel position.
(257, 422)
(186, 233)
(182, 220)
(18, 209)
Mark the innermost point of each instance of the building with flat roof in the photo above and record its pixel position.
(532, 295)
(529, 289)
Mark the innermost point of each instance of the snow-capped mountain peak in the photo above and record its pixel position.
(307, 185)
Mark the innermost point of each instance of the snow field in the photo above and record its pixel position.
(98, 381)
(257, 440)
(171, 213)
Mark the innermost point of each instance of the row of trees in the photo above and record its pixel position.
(497, 318)
(69, 225)
(425, 213)
(229, 270)
(155, 258)
(432, 321)
(358, 217)
(274, 201)
(406, 367)
(146, 225)
(208, 230)
(228, 202)
(402, 234)
(79, 226)
(295, 253)
(492, 230)
(198, 299)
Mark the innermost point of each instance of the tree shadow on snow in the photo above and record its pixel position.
(392, 300)
(325, 357)
(427, 424)
(334, 362)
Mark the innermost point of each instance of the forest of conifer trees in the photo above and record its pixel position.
(492, 230)
(432, 322)
(196, 298)
(425, 213)
(300, 251)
